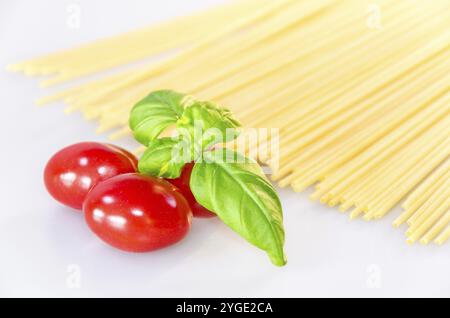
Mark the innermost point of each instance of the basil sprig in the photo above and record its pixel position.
(223, 181)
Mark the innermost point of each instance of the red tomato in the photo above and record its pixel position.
(182, 183)
(137, 213)
(73, 171)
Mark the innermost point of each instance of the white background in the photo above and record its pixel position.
(43, 244)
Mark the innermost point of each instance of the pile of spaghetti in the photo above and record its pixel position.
(360, 92)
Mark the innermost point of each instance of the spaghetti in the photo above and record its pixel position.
(363, 110)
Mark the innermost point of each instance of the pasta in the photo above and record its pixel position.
(362, 106)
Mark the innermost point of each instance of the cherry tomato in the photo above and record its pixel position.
(137, 213)
(182, 183)
(73, 171)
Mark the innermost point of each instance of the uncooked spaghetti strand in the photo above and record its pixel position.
(365, 89)
(443, 237)
(294, 141)
(436, 229)
(283, 43)
(376, 203)
(370, 177)
(370, 135)
(299, 141)
(383, 206)
(307, 125)
(435, 199)
(277, 92)
(423, 188)
(180, 72)
(277, 64)
(82, 88)
(430, 221)
(376, 154)
(412, 212)
(163, 30)
(78, 71)
(383, 83)
(411, 215)
(376, 178)
(208, 40)
(317, 171)
(237, 83)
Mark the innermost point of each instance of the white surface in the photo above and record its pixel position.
(40, 240)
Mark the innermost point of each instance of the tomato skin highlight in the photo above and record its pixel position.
(74, 170)
(137, 213)
(182, 183)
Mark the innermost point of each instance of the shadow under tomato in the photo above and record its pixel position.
(73, 241)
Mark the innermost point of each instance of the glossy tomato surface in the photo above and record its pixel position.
(73, 171)
(182, 183)
(137, 213)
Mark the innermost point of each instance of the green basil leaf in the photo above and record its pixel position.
(165, 157)
(207, 124)
(242, 197)
(156, 112)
